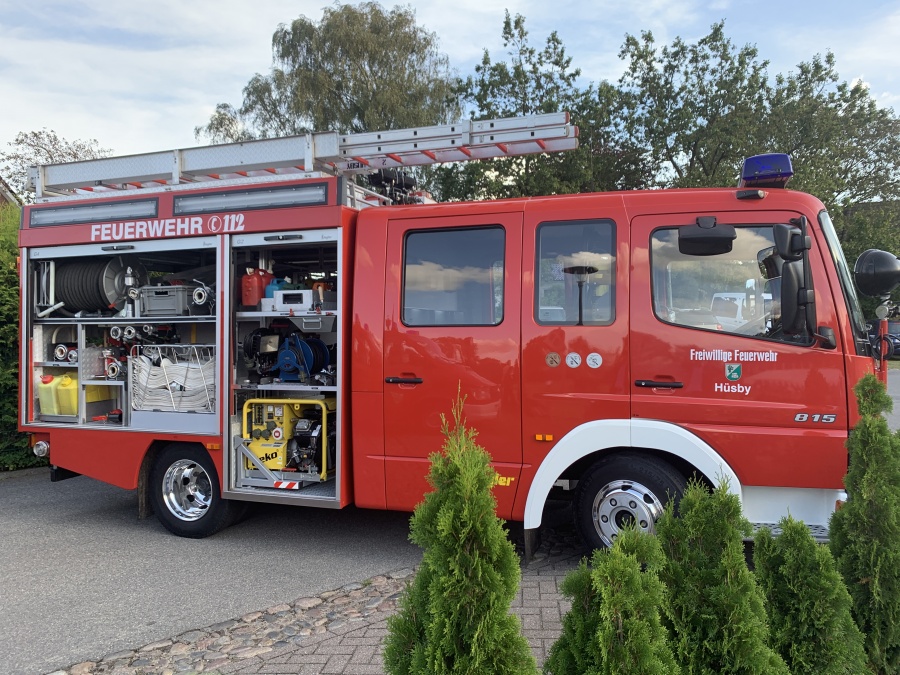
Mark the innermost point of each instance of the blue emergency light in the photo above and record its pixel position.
(766, 171)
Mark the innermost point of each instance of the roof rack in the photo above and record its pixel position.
(327, 152)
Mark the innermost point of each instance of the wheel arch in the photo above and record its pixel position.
(586, 443)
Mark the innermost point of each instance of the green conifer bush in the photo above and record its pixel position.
(454, 617)
(807, 603)
(575, 649)
(614, 625)
(865, 533)
(716, 610)
(14, 450)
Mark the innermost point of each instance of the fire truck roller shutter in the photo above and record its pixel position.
(185, 493)
(620, 435)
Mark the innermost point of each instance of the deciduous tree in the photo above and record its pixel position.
(694, 108)
(530, 81)
(698, 109)
(360, 68)
(844, 147)
(43, 147)
(27, 149)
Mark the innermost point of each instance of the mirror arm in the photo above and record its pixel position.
(825, 337)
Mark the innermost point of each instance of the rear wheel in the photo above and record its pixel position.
(620, 490)
(185, 492)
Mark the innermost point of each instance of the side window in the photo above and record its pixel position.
(453, 277)
(736, 292)
(575, 273)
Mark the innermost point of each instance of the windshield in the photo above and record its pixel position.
(843, 271)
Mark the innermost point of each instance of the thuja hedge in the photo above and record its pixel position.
(865, 533)
(455, 618)
(615, 625)
(807, 603)
(684, 601)
(716, 611)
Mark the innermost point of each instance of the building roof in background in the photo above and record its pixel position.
(7, 194)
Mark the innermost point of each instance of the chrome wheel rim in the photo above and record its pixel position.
(622, 502)
(187, 490)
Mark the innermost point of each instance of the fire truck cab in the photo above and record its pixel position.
(254, 331)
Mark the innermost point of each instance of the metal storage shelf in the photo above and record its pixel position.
(104, 383)
(112, 320)
(69, 419)
(265, 315)
(285, 386)
(306, 322)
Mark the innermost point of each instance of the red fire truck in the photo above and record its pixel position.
(247, 323)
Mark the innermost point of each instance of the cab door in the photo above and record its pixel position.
(452, 297)
(773, 405)
(575, 364)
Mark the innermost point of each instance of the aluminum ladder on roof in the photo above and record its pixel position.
(328, 152)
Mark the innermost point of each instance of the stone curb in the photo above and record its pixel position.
(339, 631)
(270, 632)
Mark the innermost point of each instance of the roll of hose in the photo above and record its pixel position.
(113, 370)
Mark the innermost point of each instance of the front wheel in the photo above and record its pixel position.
(185, 492)
(620, 490)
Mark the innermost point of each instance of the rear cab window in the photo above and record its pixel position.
(575, 273)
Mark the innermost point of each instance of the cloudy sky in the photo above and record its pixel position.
(139, 76)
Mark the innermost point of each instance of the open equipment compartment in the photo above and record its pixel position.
(100, 317)
(286, 366)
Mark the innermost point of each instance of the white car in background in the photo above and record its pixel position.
(734, 311)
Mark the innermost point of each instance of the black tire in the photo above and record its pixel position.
(620, 489)
(184, 491)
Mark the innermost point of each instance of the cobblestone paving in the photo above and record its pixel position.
(339, 631)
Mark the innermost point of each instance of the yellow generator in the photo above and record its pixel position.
(295, 436)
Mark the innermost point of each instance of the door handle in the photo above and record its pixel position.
(403, 380)
(658, 385)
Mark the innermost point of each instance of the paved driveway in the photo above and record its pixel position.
(83, 577)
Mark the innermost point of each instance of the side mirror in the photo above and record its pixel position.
(789, 242)
(876, 272)
(793, 315)
(769, 260)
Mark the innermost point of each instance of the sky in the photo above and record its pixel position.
(140, 76)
